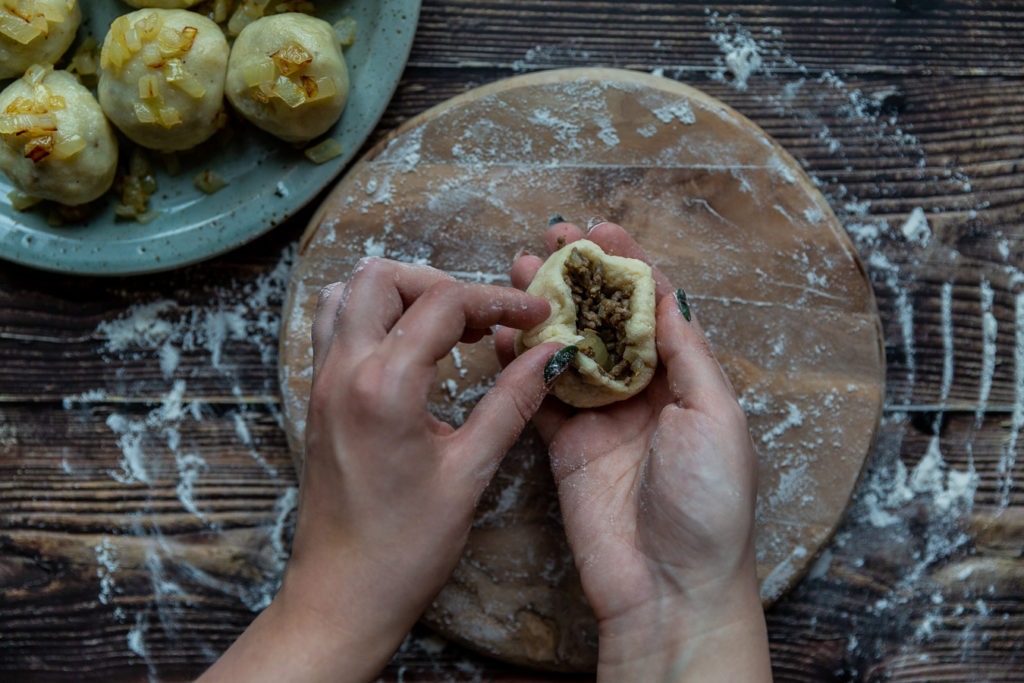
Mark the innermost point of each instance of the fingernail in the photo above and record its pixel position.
(555, 220)
(684, 306)
(559, 363)
(523, 251)
(594, 222)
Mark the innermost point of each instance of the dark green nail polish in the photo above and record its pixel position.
(684, 306)
(559, 363)
(555, 220)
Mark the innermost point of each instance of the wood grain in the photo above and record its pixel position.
(923, 598)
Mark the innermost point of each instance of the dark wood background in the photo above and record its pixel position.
(110, 570)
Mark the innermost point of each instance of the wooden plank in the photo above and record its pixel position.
(871, 37)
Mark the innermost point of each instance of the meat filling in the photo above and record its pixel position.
(602, 311)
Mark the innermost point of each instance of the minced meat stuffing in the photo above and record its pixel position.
(601, 308)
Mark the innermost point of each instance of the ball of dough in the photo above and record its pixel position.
(162, 77)
(287, 76)
(35, 32)
(605, 305)
(56, 142)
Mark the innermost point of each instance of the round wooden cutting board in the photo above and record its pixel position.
(721, 208)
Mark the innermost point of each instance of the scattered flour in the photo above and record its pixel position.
(154, 449)
(989, 332)
(679, 111)
(916, 228)
(1008, 458)
(741, 54)
(106, 559)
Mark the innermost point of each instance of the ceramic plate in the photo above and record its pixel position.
(268, 180)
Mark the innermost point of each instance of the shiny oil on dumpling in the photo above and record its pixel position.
(287, 76)
(162, 77)
(56, 143)
(35, 32)
(605, 306)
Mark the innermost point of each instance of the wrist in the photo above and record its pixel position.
(344, 621)
(713, 634)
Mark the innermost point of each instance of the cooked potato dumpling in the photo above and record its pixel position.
(35, 32)
(287, 76)
(56, 143)
(162, 77)
(162, 4)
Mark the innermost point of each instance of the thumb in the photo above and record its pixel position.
(695, 377)
(500, 416)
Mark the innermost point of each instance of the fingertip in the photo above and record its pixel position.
(602, 229)
(561, 234)
(615, 240)
(327, 304)
(671, 319)
(524, 269)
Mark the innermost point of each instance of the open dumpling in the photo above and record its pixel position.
(605, 305)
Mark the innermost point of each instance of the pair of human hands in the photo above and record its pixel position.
(657, 492)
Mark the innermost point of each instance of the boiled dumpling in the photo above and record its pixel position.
(162, 4)
(605, 305)
(162, 77)
(56, 142)
(287, 76)
(35, 32)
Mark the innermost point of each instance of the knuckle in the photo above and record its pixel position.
(444, 290)
(367, 388)
(325, 295)
(370, 268)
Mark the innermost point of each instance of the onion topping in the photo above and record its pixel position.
(163, 50)
(31, 123)
(26, 20)
(324, 151)
(281, 76)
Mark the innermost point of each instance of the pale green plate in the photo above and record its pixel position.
(268, 180)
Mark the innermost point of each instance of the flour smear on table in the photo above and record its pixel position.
(888, 503)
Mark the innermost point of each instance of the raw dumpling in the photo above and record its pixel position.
(56, 142)
(287, 76)
(605, 305)
(162, 77)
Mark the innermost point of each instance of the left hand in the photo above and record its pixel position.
(657, 495)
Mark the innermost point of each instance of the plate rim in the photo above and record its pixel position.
(18, 241)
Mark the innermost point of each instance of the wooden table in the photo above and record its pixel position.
(141, 451)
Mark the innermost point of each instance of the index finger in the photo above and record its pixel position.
(440, 317)
(376, 296)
